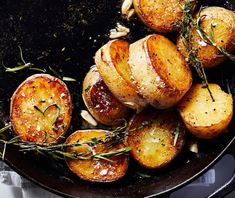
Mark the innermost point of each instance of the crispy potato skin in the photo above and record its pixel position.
(101, 103)
(41, 91)
(159, 71)
(203, 117)
(158, 14)
(96, 170)
(152, 146)
(223, 22)
(111, 61)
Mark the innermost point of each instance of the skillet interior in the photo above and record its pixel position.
(43, 28)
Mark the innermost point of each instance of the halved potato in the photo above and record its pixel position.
(159, 15)
(41, 109)
(220, 24)
(95, 170)
(204, 117)
(101, 103)
(155, 144)
(111, 61)
(159, 71)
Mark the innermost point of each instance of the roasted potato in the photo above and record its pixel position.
(41, 109)
(111, 61)
(160, 15)
(96, 170)
(218, 23)
(160, 72)
(155, 138)
(204, 117)
(101, 103)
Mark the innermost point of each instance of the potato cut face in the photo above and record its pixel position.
(155, 144)
(168, 63)
(203, 117)
(96, 170)
(159, 71)
(119, 53)
(41, 109)
(218, 23)
(158, 14)
(100, 102)
(111, 61)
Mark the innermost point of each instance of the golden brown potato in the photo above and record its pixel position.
(202, 116)
(41, 109)
(218, 22)
(159, 71)
(111, 61)
(101, 103)
(159, 15)
(96, 170)
(157, 143)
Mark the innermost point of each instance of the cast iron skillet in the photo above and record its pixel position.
(43, 28)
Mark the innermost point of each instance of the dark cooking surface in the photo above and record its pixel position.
(43, 28)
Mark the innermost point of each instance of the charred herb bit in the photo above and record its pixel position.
(88, 88)
(39, 110)
(46, 109)
(58, 111)
(178, 129)
(44, 137)
(143, 174)
(54, 128)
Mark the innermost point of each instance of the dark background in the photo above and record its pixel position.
(42, 28)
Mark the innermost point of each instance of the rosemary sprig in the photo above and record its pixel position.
(209, 39)
(18, 68)
(31, 66)
(57, 150)
(187, 24)
(25, 65)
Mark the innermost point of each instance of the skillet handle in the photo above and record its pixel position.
(229, 186)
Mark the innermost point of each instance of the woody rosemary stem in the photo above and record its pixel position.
(57, 150)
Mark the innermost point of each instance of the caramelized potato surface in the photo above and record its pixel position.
(41, 109)
(220, 24)
(101, 103)
(154, 145)
(159, 15)
(159, 71)
(204, 117)
(111, 61)
(96, 170)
